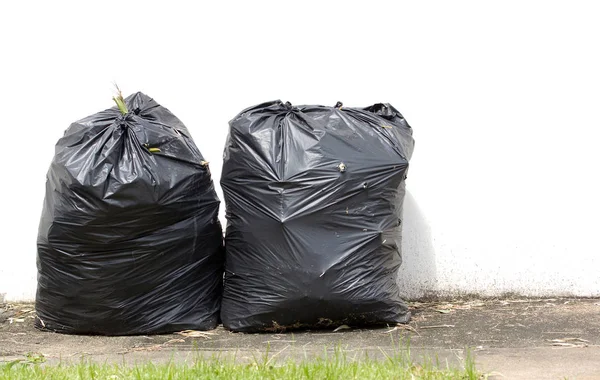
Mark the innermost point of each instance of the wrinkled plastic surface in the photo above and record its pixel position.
(129, 240)
(314, 199)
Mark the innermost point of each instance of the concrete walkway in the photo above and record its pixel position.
(508, 338)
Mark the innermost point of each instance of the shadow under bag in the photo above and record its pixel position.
(314, 199)
(129, 240)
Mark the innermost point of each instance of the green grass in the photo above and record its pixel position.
(336, 366)
(120, 101)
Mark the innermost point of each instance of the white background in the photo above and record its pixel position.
(504, 99)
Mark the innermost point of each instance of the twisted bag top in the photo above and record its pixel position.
(314, 205)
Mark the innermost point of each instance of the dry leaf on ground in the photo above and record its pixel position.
(195, 334)
(342, 327)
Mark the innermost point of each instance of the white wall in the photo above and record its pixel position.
(504, 99)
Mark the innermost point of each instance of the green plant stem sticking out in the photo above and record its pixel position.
(120, 101)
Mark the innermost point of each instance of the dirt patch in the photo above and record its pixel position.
(479, 324)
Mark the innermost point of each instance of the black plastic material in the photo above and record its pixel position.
(129, 240)
(314, 199)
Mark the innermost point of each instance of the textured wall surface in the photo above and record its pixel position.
(503, 98)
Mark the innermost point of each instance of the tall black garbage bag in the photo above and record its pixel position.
(129, 240)
(314, 198)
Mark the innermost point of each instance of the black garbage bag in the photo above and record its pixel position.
(129, 240)
(313, 200)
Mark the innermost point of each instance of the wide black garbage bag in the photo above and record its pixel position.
(129, 240)
(314, 198)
